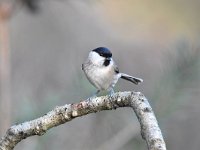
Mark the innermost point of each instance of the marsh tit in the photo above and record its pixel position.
(102, 72)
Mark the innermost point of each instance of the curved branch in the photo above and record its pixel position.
(150, 130)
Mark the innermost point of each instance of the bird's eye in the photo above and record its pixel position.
(101, 54)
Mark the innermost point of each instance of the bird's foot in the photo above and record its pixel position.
(94, 95)
(111, 91)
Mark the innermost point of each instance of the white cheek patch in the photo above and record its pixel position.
(96, 59)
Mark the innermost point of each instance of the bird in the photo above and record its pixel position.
(102, 72)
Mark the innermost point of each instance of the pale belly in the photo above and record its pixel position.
(102, 78)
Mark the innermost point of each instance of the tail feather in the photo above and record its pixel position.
(131, 79)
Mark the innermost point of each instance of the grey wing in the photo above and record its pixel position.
(116, 69)
(82, 67)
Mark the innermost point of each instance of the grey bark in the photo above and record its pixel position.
(150, 130)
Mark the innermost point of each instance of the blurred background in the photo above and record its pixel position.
(44, 42)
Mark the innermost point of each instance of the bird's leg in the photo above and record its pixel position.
(94, 95)
(111, 91)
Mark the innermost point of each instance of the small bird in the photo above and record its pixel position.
(102, 72)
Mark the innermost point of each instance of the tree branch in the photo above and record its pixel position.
(150, 130)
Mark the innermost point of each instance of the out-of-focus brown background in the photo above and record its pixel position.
(156, 40)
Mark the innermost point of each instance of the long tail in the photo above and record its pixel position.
(131, 79)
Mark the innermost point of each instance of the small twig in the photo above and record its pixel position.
(149, 128)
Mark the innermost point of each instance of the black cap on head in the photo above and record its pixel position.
(103, 51)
